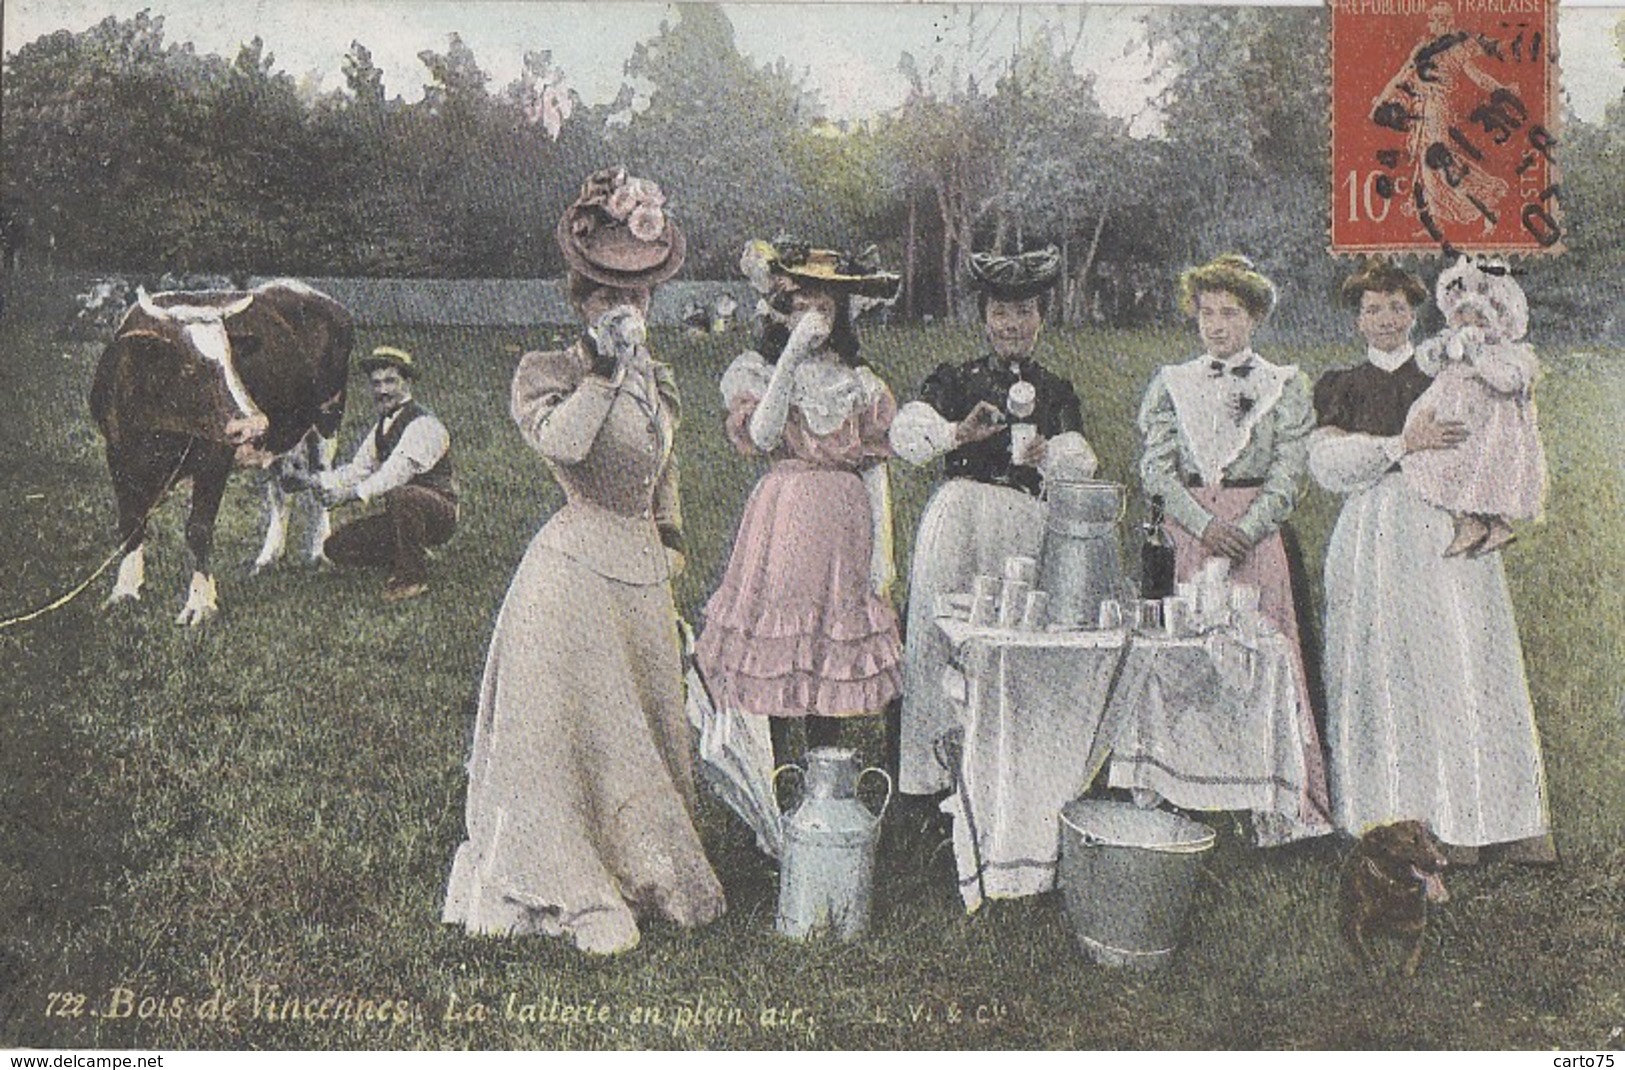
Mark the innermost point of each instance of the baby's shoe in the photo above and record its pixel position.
(1500, 536)
(1470, 532)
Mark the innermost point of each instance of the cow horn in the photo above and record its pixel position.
(146, 304)
(228, 311)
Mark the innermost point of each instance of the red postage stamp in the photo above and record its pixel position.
(1443, 126)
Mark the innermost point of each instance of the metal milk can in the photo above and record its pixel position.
(828, 868)
(1079, 564)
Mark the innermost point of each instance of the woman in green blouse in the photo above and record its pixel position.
(1226, 449)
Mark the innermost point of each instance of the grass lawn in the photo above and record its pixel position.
(198, 826)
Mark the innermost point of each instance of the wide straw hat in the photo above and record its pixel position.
(858, 274)
(619, 233)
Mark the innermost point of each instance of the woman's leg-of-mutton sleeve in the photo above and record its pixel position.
(668, 507)
(558, 407)
(1159, 462)
(920, 434)
(1069, 450)
(924, 428)
(1341, 459)
(1346, 461)
(1293, 417)
(668, 504)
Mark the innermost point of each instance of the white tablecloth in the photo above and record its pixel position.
(1208, 722)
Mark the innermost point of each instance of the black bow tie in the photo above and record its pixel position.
(1240, 371)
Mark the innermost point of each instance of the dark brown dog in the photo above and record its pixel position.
(1388, 882)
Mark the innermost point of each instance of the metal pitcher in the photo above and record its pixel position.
(827, 872)
(1080, 565)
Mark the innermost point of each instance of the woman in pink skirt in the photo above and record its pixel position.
(1485, 381)
(1226, 449)
(802, 625)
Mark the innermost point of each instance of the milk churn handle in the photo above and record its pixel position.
(1122, 497)
(788, 767)
(876, 769)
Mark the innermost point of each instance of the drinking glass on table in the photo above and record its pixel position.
(1036, 615)
(1177, 617)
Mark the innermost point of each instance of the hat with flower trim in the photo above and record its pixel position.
(619, 233)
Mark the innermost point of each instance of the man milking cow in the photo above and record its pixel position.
(403, 463)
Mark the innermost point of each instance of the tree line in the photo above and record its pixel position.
(124, 150)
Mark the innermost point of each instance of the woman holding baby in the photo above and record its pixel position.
(1429, 713)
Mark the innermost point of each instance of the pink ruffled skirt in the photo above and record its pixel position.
(795, 627)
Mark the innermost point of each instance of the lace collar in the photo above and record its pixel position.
(1218, 403)
(826, 391)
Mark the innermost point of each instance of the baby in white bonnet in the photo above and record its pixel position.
(1485, 379)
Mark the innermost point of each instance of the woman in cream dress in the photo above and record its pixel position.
(581, 788)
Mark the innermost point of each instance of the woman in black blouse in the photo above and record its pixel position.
(1429, 716)
(999, 422)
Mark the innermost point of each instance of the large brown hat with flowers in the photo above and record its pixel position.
(858, 274)
(619, 233)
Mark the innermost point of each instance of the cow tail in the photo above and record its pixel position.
(101, 388)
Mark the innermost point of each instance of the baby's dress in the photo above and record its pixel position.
(1500, 469)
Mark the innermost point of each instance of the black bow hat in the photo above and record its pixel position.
(1017, 277)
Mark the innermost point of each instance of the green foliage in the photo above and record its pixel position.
(1248, 141)
(124, 151)
(852, 176)
(1593, 159)
(719, 134)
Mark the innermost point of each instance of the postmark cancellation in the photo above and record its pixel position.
(1444, 127)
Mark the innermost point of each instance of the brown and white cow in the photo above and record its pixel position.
(194, 383)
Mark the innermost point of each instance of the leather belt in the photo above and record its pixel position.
(1194, 480)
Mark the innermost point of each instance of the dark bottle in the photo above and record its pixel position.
(1156, 556)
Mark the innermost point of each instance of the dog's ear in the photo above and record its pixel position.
(1388, 837)
(1418, 835)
